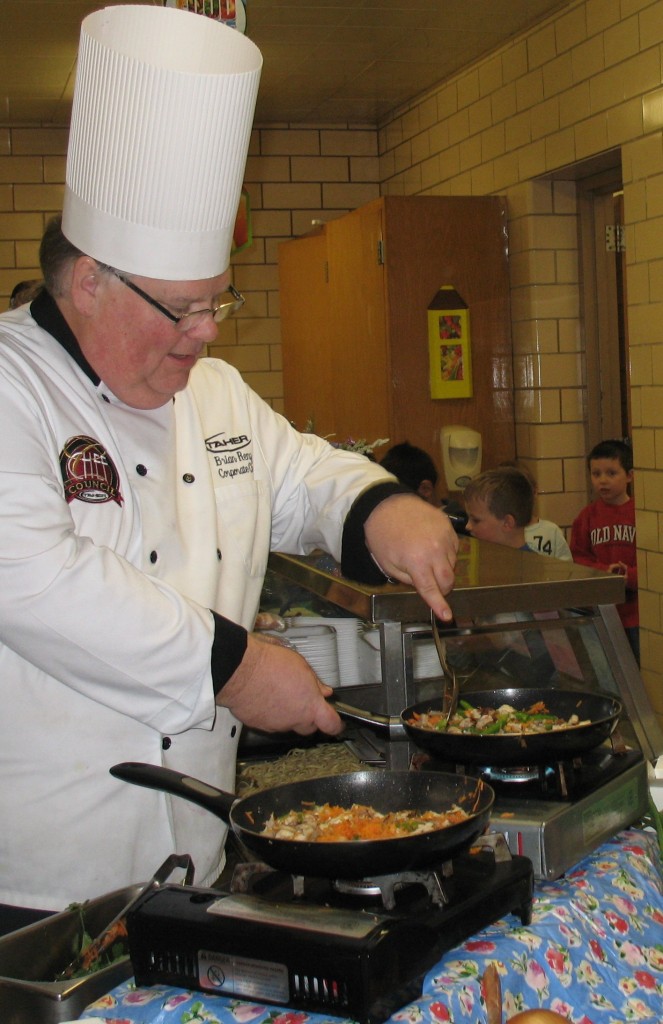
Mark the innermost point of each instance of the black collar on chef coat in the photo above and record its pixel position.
(47, 313)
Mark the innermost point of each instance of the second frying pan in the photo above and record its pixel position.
(599, 711)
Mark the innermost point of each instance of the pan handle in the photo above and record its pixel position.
(392, 725)
(166, 780)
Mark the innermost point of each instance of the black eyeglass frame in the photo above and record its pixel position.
(229, 307)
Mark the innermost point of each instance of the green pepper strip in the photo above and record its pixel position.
(407, 826)
(495, 726)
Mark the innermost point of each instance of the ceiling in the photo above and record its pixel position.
(325, 61)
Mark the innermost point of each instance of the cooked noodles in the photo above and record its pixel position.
(298, 765)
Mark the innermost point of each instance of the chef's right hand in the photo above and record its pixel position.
(276, 690)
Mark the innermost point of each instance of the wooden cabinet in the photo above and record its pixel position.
(354, 315)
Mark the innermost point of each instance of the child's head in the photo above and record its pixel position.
(530, 476)
(515, 464)
(611, 471)
(499, 506)
(25, 291)
(413, 467)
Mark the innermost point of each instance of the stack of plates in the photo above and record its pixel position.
(347, 649)
(346, 652)
(425, 660)
(345, 632)
(318, 645)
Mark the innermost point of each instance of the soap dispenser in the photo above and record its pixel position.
(461, 455)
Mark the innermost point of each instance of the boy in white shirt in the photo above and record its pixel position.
(542, 535)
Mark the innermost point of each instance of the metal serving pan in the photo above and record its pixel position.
(31, 956)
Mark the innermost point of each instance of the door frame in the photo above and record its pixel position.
(603, 306)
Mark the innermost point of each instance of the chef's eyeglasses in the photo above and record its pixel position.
(219, 311)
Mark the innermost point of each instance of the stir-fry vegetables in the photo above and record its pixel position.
(502, 721)
(92, 955)
(327, 823)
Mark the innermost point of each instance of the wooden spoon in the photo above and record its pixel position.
(491, 990)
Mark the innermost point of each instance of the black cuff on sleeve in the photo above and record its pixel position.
(228, 649)
(356, 561)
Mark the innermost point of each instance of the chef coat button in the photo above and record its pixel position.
(141, 469)
(106, 398)
(218, 554)
(166, 742)
(233, 732)
(188, 478)
(153, 557)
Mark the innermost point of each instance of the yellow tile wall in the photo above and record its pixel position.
(587, 80)
(30, 193)
(294, 176)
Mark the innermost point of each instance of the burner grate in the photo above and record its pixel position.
(256, 877)
(387, 886)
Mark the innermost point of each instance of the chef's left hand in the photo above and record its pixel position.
(414, 542)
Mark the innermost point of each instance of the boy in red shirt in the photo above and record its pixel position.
(603, 534)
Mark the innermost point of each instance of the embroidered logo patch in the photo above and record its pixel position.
(88, 472)
(221, 443)
(231, 456)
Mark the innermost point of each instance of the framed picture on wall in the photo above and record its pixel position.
(449, 345)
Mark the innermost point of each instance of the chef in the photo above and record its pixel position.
(143, 486)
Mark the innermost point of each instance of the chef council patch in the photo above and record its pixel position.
(88, 472)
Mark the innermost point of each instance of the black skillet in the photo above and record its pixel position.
(600, 712)
(383, 790)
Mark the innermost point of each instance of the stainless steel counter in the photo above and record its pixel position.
(491, 579)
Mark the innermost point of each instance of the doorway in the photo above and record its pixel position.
(603, 305)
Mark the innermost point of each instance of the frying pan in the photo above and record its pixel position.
(383, 790)
(601, 710)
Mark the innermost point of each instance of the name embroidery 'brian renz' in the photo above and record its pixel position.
(88, 472)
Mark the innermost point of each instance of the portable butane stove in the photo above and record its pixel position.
(349, 949)
(557, 814)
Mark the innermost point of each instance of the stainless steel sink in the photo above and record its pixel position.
(32, 957)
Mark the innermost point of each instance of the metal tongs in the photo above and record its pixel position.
(117, 927)
(450, 691)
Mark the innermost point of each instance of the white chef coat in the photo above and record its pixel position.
(121, 528)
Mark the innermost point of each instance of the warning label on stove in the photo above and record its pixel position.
(242, 976)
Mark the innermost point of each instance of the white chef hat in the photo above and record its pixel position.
(161, 123)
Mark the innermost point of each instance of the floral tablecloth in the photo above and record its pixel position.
(593, 953)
